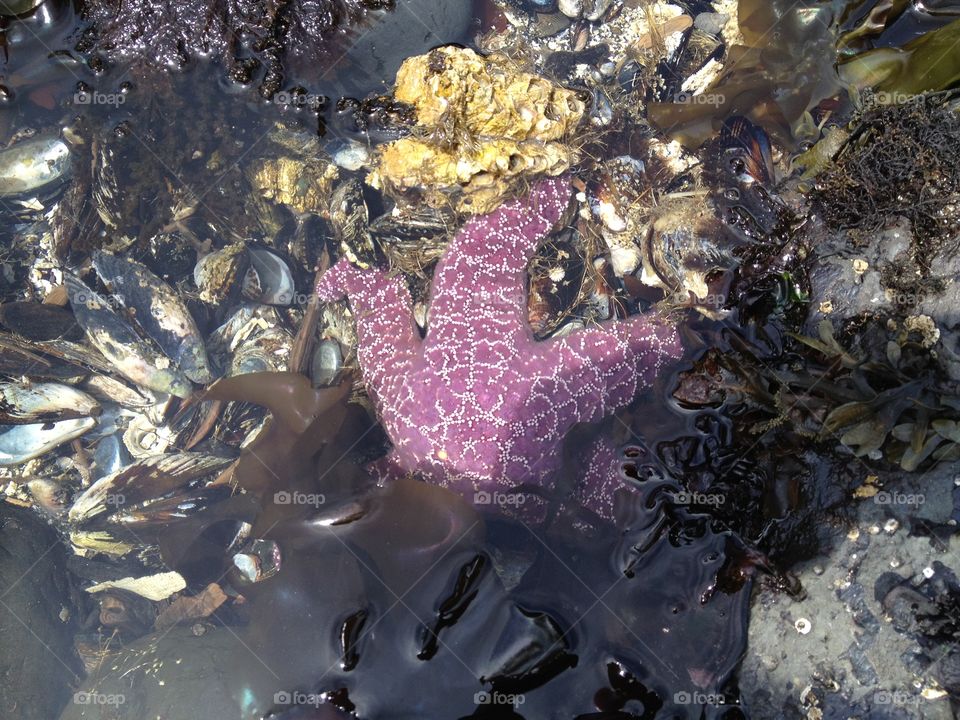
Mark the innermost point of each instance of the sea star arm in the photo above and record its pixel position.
(479, 283)
(612, 361)
(387, 339)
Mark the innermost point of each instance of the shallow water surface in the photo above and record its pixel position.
(182, 128)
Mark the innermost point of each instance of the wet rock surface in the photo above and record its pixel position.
(38, 665)
(876, 634)
(180, 675)
(272, 47)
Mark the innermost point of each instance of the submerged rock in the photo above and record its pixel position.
(357, 43)
(38, 665)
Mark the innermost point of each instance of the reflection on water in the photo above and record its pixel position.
(395, 602)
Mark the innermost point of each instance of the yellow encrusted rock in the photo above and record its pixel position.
(483, 127)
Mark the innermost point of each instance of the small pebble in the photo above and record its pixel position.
(710, 23)
(890, 526)
(803, 626)
(597, 11)
(571, 8)
(550, 25)
(874, 530)
(350, 156)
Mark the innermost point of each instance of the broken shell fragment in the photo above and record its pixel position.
(273, 280)
(24, 403)
(622, 200)
(268, 351)
(236, 271)
(19, 443)
(159, 310)
(119, 343)
(153, 587)
(100, 541)
(327, 361)
(143, 439)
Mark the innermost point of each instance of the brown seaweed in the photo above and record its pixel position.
(783, 70)
(382, 601)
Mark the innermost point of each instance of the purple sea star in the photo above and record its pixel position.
(479, 405)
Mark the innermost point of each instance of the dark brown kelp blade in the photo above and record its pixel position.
(284, 460)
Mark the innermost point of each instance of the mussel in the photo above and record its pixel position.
(33, 166)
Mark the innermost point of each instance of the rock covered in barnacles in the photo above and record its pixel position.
(483, 127)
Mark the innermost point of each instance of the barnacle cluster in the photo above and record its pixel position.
(483, 128)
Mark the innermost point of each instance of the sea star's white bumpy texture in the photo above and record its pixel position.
(479, 404)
